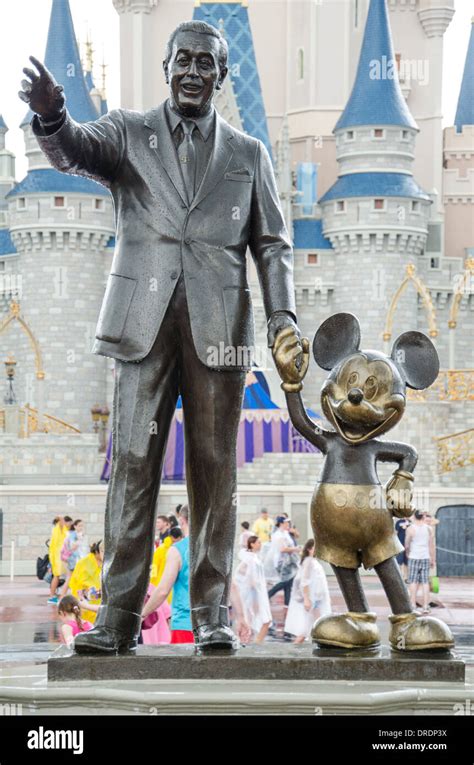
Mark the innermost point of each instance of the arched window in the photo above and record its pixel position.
(300, 63)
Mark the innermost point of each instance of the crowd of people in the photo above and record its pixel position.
(270, 559)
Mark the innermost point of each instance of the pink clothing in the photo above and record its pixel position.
(86, 626)
(160, 632)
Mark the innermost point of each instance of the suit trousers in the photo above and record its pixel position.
(145, 397)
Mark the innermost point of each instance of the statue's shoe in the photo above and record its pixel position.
(104, 641)
(350, 630)
(410, 632)
(210, 637)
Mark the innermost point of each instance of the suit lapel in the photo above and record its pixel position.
(166, 153)
(164, 148)
(219, 159)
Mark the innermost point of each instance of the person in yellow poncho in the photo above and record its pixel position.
(85, 582)
(158, 564)
(61, 526)
(158, 632)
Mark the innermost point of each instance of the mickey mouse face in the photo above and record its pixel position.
(360, 397)
(364, 394)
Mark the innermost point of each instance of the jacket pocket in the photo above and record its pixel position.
(245, 177)
(115, 308)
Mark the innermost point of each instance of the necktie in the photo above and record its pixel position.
(187, 157)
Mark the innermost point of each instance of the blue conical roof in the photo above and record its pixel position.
(3, 124)
(63, 60)
(465, 110)
(246, 83)
(376, 97)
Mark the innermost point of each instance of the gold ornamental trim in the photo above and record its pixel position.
(450, 385)
(15, 315)
(424, 293)
(29, 423)
(459, 292)
(455, 451)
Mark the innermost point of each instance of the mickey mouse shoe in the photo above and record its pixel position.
(350, 630)
(410, 632)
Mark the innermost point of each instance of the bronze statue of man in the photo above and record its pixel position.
(191, 193)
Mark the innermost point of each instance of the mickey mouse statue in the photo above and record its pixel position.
(351, 513)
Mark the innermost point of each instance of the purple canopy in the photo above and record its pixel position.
(264, 427)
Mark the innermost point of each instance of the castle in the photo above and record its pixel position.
(377, 196)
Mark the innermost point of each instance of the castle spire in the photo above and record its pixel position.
(465, 110)
(243, 71)
(63, 60)
(376, 97)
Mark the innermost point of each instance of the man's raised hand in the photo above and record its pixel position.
(41, 91)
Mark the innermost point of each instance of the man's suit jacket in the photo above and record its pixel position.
(158, 234)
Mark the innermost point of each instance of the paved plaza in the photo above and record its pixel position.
(29, 635)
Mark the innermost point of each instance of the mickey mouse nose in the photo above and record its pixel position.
(355, 395)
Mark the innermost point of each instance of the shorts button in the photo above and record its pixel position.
(174, 274)
(340, 498)
(187, 241)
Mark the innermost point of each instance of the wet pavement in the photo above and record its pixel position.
(29, 635)
(29, 629)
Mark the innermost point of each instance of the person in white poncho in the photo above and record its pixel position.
(309, 596)
(250, 579)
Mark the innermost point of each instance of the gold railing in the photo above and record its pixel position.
(455, 451)
(29, 423)
(450, 385)
(50, 423)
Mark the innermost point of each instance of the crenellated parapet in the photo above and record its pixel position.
(435, 16)
(134, 6)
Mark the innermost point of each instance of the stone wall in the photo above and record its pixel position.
(28, 511)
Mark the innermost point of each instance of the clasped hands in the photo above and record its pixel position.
(291, 356)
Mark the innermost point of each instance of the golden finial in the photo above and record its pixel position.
(104, 67)
(411, 269)
(89, 54)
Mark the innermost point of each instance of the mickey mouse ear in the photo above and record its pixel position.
(417, 358)
(336, 338)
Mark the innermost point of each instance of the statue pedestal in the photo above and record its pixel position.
(271, 661)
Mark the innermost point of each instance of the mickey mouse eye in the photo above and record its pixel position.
(370, 387)
(353, 380)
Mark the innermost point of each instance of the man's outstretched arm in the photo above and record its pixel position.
(94, 149)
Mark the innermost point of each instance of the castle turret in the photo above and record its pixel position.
(375, 215)
(458, 187)
(7, 169)
(60, 225)
(7, 181)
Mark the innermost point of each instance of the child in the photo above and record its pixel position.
(69, 612)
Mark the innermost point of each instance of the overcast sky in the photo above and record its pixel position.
(24, 25)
